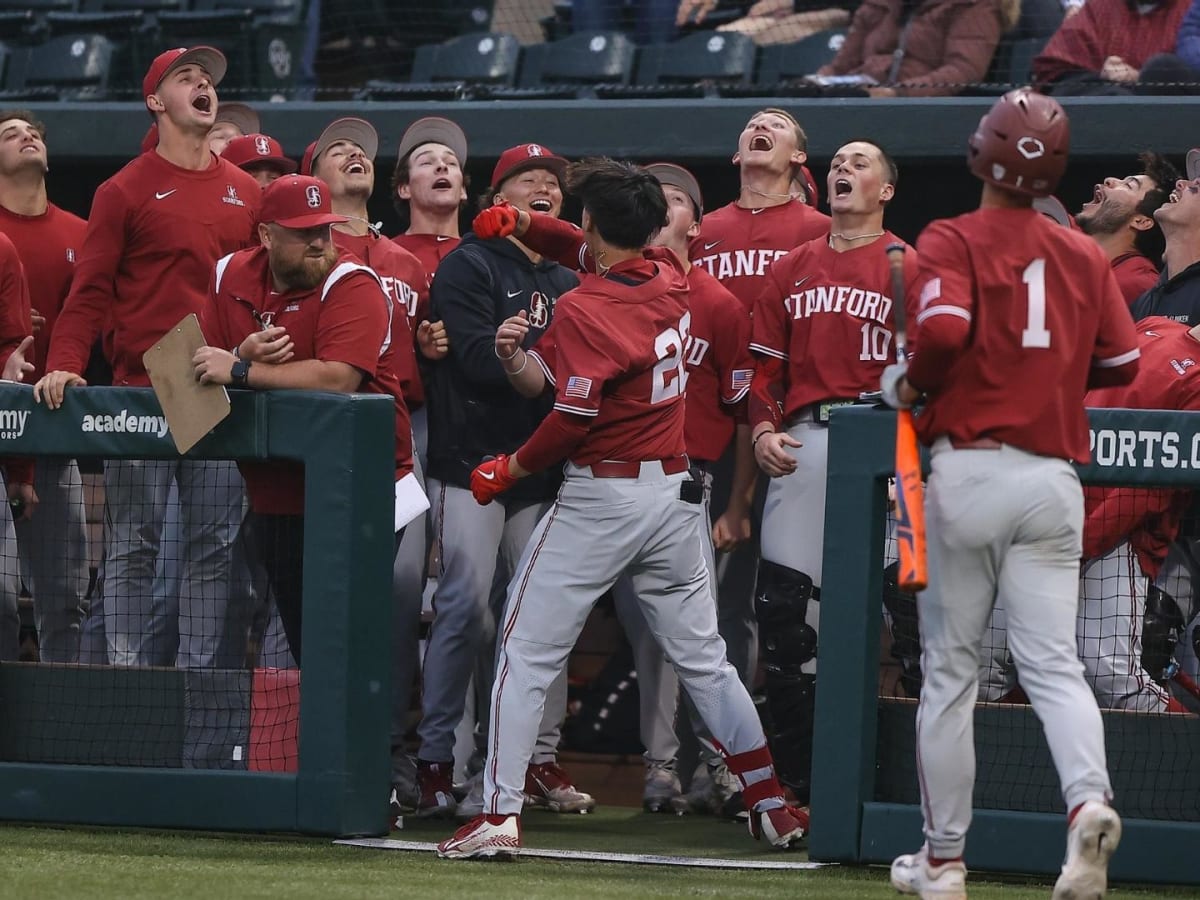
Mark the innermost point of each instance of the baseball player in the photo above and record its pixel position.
(1007, 341)
(343, 156)
(1177, 293)
(736, 245)
(336, 313)
(475, 414)
(53, 544)
(718, 374)
(1120, 218)
(157, 228)
(822, 334)
(260, 156)
(615, 358)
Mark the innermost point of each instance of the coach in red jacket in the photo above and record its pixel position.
(338, 319)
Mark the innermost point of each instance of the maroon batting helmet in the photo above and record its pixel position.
(1021, 144)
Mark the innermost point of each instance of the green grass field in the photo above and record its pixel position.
(104, 864)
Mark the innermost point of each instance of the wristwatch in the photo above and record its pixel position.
(239, 373)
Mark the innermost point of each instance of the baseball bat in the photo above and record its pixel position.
(910, 490)
(1185, 681)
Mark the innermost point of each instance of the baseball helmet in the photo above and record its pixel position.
(1021, 144)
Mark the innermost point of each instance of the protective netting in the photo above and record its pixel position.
(469, 49)
(1136, 637)
(139, 625)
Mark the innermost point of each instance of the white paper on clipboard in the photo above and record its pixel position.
(410, 500)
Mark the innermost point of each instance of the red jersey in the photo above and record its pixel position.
(1017, 317)
(16, 324)
(829, 316)
(402, 276)
(736, 245)
(1135, 275)
(719, 366)
(430, 249)
(1168, 378)
(153, 236)
(615, 352)
(48, 246)
(344, 319)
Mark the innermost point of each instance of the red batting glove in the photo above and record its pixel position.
(496, 221)
(491, 478)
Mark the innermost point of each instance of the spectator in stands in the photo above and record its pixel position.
(1177, 294)
(1114, 47)
(474, 413)
(53, 544)
(1120, 218)
(233, 120)
(1187, 46)
(928, 48)
(157, 229)
(260, 156)
(653, 20)
(786, 21)
(344, 158)
(337, 314)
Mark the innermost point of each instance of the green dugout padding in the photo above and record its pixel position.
(347, 445)
(850, 822)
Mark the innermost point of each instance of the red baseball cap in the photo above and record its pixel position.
(298, 201)
(210, 59)
(527, 156)
(356, 131)
(255, 150)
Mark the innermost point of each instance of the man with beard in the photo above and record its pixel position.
(336, 313)
(53, 544)
(157, 227)
(1120, 218)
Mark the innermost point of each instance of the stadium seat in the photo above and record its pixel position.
(229, 30)
(452, 70)
(690, 67)
(572, 67)
(24, 21)
(69, 67)
(782, 67)
(276, 36)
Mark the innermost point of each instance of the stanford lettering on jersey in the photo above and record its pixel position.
(739, 263)
(840, 298)
(401, 293)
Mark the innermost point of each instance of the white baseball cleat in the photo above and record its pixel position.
(484, 837)
(1091, 840)
(781, 826)
(912, 874)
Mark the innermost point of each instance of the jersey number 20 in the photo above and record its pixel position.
(670, 372)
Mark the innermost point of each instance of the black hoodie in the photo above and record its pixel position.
(473, 410)
(1176, 298)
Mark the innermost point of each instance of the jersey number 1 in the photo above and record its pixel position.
(1036, 335)
(670, 372)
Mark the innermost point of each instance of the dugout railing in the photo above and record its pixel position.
(346, 444)
(859, 736)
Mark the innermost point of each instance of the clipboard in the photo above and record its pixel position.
(192, 409)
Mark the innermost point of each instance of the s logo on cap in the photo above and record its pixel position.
(262, 145)
(313, 193)
(535, 150)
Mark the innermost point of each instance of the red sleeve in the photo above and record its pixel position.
(16, 320)
(558, 240)
(89, 304)
(1112, 514)
(944, 306)
(214, 324)
(1135, 275)
(769, 339)
(1115, 357)
(555, 439)
(353, 325)
(731, 351)
(584, 364)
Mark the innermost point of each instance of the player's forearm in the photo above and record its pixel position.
(941, 341)
(766, 395)
(745, 470)
(558, 240)
(525, 374)
(75, 331)
(559, 435)
(305, 375)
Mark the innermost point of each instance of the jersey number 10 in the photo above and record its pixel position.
(669, 379)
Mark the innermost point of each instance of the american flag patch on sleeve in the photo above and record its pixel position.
(742, 379)
(578, 386)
